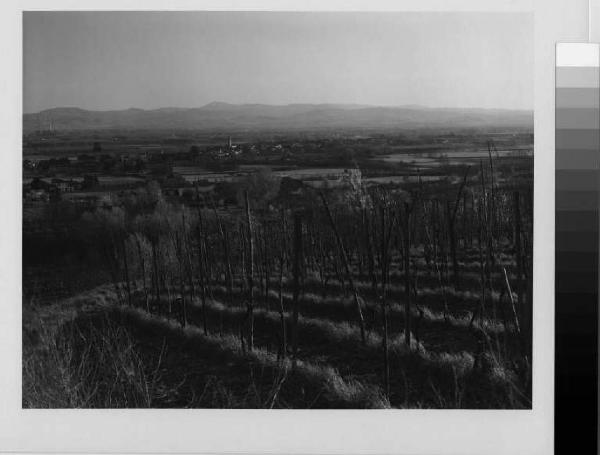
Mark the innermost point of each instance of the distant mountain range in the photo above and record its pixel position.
(224, 116)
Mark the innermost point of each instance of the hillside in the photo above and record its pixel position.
(223, 116)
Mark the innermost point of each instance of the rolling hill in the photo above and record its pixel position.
(224, 116)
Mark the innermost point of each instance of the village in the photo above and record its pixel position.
(87, 172)
(89, 180)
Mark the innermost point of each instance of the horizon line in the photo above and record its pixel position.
(358, 106)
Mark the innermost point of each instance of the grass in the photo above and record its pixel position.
(71, 366)
(93, 351)
(97, 369)
(116, 357)
(97, 353)
(451, 332)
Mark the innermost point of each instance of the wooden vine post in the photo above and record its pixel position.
(349, 278)
(296, 271)
(249, 319)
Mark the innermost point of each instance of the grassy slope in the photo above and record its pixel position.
(90, 352)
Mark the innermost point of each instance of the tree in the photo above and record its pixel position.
(262, 187)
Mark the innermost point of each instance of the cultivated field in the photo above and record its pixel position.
(405, 292)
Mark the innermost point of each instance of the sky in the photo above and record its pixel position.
(147, 60)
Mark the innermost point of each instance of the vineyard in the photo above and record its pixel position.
(349, 297)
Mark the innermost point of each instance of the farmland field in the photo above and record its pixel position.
(403, 284)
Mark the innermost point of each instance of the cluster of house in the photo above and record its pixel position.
(143, 156)
(229, 151)
(44, 189)
(34, 162)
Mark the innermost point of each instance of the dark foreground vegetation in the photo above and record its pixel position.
(362, 294)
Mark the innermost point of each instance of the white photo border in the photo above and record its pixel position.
(281, 431)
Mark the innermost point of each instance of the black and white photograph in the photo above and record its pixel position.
(277, 209)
